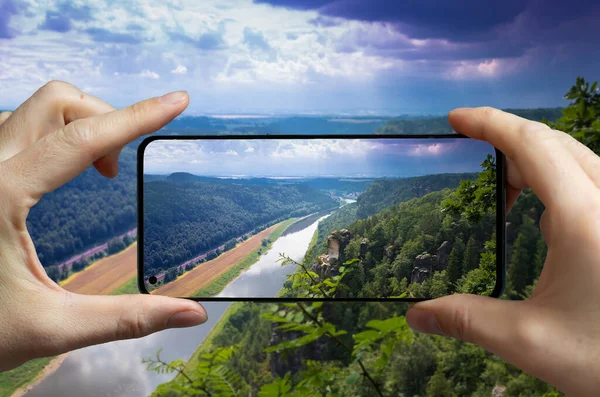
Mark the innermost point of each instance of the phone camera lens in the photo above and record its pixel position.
(152, 280)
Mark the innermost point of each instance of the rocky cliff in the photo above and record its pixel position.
(426, 264)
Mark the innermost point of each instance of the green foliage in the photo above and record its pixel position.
(116, 245)
(581, 118)
(471, 256)
(280, 387)
(209, 377)
(473, 199)
(482, 280)
(440, 284)
(521, 271)
(439, 386)
(383, 194)
(455, 262)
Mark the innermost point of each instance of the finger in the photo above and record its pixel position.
(108, 165)
(494, 324)
(3, 116)
(58, 157)
(514, 183)
(50, 108)
(512, 195)
(589, 161)
(84, 320)
(545, 165)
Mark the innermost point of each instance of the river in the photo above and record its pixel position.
(115, 369)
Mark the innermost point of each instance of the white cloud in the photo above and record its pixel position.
(148, 74)
(426, 149)
(249, 150)
(283, 62)
(323, 148)
(180, 69)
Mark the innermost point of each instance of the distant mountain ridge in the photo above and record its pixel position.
(440, 125)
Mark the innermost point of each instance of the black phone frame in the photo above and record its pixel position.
(500, 212)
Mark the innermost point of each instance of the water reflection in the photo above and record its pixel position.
(265, 277)
(115, 369)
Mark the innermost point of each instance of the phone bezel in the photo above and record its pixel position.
(500, 213)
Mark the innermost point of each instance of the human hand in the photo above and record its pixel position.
(51, 138)
(554, 335)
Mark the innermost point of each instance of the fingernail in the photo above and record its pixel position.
(423, 321)
(188, 318)
(173, 98)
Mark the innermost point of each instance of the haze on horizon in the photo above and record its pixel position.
(343, 158)
(303, 57)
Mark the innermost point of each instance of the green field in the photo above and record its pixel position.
(130, 287)
(221, 282)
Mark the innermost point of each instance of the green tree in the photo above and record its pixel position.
(455, 263)
(473, 199)
(540, 255)
(471, 256)
(439, 386)
(581, 118)
(440, 284)
(521, 271)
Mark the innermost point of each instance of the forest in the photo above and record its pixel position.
(367, 349)
(89, 210)
(385, 193)
(184, 219)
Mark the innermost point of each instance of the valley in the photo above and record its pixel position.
(203, 275)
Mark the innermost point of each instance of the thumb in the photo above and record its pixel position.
(493, 324)
(86, 320)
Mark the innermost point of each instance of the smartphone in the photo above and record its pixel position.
(293, 218)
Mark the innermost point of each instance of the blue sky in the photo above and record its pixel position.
(316, 157)
(303, 56)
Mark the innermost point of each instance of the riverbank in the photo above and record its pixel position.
(222, 281)
(17, 382)
(215, 274)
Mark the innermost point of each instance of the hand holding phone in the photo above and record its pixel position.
(320, 218)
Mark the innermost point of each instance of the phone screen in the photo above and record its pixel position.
(295, 218)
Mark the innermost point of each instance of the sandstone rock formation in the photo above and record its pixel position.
(426, 264)
(327, 264)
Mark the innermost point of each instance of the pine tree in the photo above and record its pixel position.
(438, 385)
(522, 265)
(471, 256)
(455, 263)
(540, 256)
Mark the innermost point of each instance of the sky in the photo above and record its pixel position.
(315, 157)
(303, 56)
